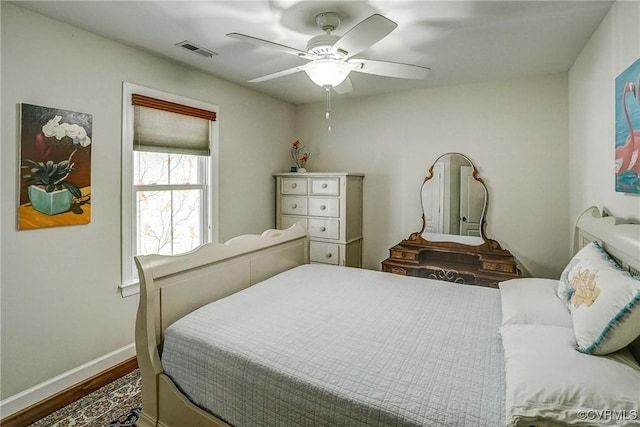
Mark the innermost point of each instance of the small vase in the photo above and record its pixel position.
(301, 170)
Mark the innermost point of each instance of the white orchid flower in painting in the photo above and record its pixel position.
(82, 138)
(51, 127)
(71, 130)
(61, 132)
(77, 133)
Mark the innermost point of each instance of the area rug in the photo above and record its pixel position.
(117, 404)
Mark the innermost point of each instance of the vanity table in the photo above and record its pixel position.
(452, 245)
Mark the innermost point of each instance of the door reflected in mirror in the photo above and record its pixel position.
(454, 201)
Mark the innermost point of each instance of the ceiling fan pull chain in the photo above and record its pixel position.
(327, 115)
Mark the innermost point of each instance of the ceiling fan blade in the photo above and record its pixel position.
(344, 87)
(278, 74)
(363, 35)
(272, 45)
(390, 69)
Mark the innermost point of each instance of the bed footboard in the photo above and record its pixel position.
(173, 286)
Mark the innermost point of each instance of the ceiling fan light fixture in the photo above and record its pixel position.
(327, 72)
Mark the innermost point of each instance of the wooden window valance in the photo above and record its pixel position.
(168, 127)
(172, 107)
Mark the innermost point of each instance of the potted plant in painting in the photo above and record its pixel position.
(49, 190)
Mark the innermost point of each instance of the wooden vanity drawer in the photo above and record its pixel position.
(294, 205)
(294, 186)
(399, 270)
(325, 186)
(404, 255)
(324, 207)
(325, 253)
(324, 228)
(287, 221)
(499, 266)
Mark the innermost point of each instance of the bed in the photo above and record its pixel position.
(248, 333)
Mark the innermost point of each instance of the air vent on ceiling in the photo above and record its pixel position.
(196, 49)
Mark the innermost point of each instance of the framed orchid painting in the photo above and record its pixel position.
(627, 147)
(55, 167)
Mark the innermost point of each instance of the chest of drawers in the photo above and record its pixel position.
(329, 206)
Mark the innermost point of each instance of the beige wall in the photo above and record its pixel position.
(516, 132)
(60, 304)
(612, 48)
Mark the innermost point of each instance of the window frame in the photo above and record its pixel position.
(130, 284)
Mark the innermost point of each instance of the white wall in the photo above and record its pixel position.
(611, 49)
(60, 305)
(516, 132)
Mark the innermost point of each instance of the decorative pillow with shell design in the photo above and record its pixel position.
(565, 290)
(604, 301)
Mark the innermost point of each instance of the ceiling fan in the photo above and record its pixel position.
(331, 57)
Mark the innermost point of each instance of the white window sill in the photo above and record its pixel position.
(129, 289)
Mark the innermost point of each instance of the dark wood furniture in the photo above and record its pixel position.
(452, 245)
(452, 262)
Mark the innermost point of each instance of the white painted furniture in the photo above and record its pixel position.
(329, 206)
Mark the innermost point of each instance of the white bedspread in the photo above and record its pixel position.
(326, 346)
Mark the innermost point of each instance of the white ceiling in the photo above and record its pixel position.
(461, 41)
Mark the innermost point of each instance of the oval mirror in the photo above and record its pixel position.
(454, 202)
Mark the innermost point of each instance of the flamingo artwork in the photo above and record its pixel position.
(627, 150)
(627, 154)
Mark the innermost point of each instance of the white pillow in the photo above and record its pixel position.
(604, 302)
(531, 301)
(549, 383)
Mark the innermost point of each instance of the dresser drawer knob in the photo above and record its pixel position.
(323, 228)
(324, 185)
(294, 185)
(328, 255)
(323, 207)
(294, 206)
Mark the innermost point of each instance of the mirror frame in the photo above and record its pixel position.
(488, 243)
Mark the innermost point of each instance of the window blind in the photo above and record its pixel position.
(168, 127)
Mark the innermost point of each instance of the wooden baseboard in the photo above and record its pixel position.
(59, 400)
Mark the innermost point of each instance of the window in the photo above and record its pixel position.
(170, 193)
(167, 191)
